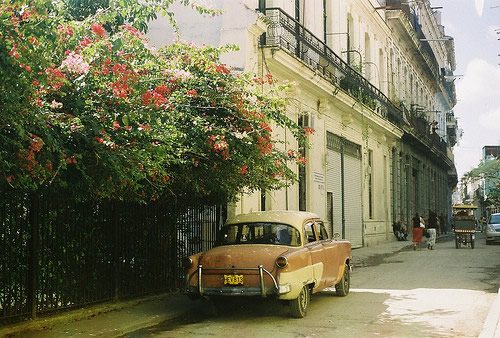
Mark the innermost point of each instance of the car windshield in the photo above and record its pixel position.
(258, 233)
(495, 219)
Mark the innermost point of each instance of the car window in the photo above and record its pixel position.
(494, 219)
(309, 233)
(258, 233)
(321, 230)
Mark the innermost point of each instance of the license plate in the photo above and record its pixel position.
(233, 279)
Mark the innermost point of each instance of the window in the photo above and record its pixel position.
(304, 122)
(321, 231)
(309, 233)
(370, 183)
(258, 233)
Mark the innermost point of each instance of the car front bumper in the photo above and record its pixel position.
(492, 235)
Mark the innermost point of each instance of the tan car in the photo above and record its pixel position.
(282, 254)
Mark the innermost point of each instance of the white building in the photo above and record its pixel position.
(374, 79)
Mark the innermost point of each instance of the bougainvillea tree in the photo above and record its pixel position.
(86, 104)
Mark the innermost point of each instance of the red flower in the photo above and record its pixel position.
(98, 30)
(192, 92)
(147, 97)
(243, 170)
(116, 125)
(309, 131)
(85, 42)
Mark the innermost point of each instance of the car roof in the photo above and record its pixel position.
(294, 218)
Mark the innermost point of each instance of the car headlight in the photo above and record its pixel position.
(490, 227)
(187, 262)
(281, 262)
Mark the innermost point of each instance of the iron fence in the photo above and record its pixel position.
(58, 253)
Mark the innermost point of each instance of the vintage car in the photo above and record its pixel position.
(282, 254)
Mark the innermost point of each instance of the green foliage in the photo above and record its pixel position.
(89, 105)
(489, 170)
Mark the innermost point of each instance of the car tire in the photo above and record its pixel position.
(488, 242)
(300, 305)
(343, 286)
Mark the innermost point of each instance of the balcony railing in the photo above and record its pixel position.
(288, 34)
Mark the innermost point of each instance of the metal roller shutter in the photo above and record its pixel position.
(340, 149)
(352, 196)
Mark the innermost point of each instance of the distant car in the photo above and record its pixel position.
(493, 228)
(283, 254)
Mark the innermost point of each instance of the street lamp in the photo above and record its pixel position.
(347, 38)
(354, 51)
(376, 68)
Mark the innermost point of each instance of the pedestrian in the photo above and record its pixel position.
(398, 230)
(443, 224)
(432, 230)
(417, 232)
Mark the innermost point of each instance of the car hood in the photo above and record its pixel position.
(242, 256)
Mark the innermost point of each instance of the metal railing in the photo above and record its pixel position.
(57, 252)
(285, 32)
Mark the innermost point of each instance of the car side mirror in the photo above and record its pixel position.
(336, 235)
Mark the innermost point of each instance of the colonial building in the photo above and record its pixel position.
(374, 79)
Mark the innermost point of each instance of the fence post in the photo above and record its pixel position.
(116, 252)
(34, 211)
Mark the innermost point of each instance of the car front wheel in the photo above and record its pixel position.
(343, 286)
(300, 305)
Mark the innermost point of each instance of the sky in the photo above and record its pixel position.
(472, 24)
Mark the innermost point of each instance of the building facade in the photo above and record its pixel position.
(374, 79)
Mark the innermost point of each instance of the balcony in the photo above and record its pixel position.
(286, 33)
(401, 17)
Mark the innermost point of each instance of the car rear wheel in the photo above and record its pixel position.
(343, 286)
(300, 305)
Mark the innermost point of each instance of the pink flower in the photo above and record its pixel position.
(54, 104)
(75, 63)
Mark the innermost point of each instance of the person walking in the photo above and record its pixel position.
(417, 232)
(432, 230)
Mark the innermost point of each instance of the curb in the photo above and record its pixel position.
(491, 327)
(77, 314)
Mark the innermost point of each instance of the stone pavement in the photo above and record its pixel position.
(115, 319)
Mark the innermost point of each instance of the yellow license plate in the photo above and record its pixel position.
(233, 279)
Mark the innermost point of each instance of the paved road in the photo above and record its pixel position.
(445, 292)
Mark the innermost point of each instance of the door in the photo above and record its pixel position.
(317, 254)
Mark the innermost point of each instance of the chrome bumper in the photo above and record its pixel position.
(261, 290)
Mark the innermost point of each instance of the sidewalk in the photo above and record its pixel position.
(115, 319)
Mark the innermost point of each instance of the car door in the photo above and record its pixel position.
(317, 254)
(330, 249)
